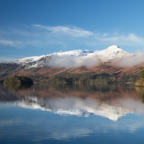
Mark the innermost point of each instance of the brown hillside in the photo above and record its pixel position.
(7, 70)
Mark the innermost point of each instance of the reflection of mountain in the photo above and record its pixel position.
(74, 106)
(111, 102)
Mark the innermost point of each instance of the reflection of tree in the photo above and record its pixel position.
(143, 98)
(143, 74)
(140, 81)
(140, 91)
(101, 93)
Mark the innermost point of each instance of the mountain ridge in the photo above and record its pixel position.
(77, 65)
(111, 53)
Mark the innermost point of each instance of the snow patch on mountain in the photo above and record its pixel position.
(74, 53)
(111, 53)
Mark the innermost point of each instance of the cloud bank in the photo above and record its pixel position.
(134, 60)
(68, 62)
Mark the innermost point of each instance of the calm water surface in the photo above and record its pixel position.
(72, 114)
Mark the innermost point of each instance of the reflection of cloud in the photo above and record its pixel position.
(11, 122)
(44, 126)
(136, 106)
(73, 133)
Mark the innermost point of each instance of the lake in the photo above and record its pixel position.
(76, 114)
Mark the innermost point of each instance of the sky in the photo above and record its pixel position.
(40, 27)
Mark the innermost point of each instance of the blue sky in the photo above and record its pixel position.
(39, 27)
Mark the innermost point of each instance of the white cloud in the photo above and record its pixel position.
(63, 30)
(2, 59)
(11, 43)
(129, 39)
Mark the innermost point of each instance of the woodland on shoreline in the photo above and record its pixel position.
(86, 78)
(103, 74)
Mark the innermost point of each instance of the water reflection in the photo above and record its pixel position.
(111, 102)
(75, 114)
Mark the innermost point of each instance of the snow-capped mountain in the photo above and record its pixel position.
(111, 53)
(73, 53)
